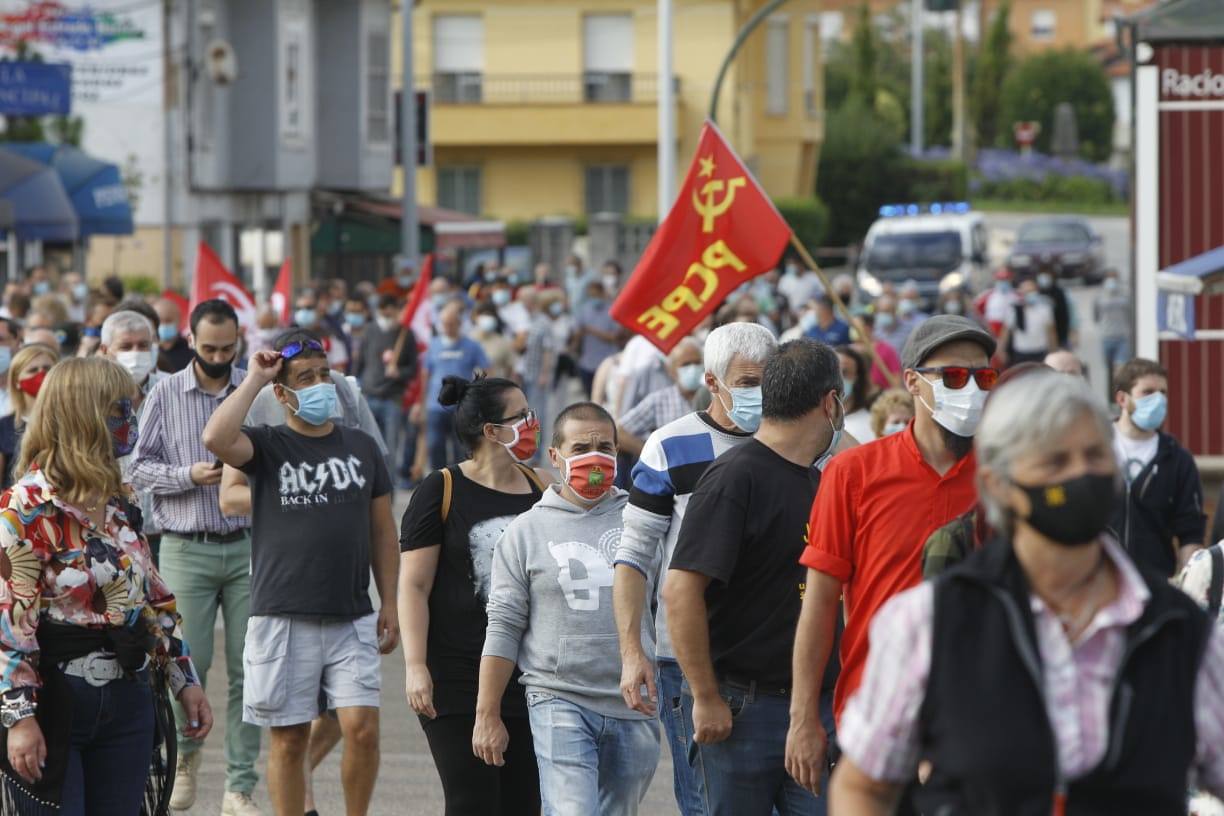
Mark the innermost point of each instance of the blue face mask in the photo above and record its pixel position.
(847, 387)
(42, 288)
(745, 410)
(305, 317)
(1150, 411)
(6, 358)
(316, 404)
(167, 333)
(80, 291)
(354, 319)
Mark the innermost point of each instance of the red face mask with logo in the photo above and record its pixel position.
(590, 475)
(33, 383)
(526, 438)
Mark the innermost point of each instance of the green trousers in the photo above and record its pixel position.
(203, 577)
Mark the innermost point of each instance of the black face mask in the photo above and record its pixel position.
(214, 371)
(1074, 512)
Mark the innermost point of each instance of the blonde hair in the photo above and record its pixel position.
(894, 399)
(67, 435)
(22, 402)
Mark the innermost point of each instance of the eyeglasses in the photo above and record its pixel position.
(295, 348)
(957, 377)
(527, 416)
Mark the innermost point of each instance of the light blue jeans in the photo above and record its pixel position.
(680, 738)
(590, 764)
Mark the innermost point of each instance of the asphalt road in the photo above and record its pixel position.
(407, 781)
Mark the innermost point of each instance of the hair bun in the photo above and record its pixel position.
(453, 390)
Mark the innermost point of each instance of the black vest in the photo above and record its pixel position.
(983, 723)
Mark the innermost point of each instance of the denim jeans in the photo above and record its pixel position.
(679, 733)
(112, 740)
(745, 775)
(206, 576)
(590, 764)
(440, 438)
(389, 415)
(1116, 350)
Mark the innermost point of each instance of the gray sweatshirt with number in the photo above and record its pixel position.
(550, 602)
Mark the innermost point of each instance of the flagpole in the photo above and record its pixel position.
(844, 309)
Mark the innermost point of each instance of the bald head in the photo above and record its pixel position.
(1064, 362)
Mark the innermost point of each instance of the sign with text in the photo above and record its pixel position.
(35, 88)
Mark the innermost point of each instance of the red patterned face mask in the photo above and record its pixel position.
(526, 438)
(33, 383)
(590, 475)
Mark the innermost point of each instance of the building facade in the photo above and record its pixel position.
(545, 107)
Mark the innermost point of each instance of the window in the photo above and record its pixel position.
(295, 113)
(459, 189)
(811, 63)
(607, 54)
(1043, 23)
(777, 66)
(607, 189)
(378, 87)
(458, 58)
(831, 24)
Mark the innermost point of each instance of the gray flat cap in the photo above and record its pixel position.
(940, 330)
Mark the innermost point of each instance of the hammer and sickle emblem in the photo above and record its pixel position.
(710, 209)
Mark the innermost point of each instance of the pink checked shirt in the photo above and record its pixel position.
(879, 728)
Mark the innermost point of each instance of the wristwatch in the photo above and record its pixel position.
(13, 713)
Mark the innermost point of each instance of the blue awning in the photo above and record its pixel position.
(95, 187)
(1200, 266)
(41, 209)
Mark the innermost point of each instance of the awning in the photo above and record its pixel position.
(41, 208)
(95, 187)
(452, 230)
(1200, 266)
(1180, 21)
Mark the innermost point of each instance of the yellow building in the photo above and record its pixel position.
(549, 107)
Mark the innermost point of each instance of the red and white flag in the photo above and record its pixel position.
(213, 280)
(418, 313)
(282, 293)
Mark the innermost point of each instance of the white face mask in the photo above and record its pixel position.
(386, 324)
(138, 363)
(958, 411)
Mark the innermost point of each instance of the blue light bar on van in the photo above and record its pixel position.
(936, 208)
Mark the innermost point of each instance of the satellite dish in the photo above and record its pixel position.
(221, 62)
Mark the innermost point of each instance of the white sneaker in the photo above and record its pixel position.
(184, 795)
(239, 804)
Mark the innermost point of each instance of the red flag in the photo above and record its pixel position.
(722, 230)
(416, 315)
(282, 292)
(213, 280)
(184, 308)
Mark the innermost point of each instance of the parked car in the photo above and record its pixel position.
(1066, 247)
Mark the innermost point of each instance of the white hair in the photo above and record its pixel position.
(1029, 415)
(751, 341)
(126, 321)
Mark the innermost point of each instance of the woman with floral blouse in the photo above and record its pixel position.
(89, 637)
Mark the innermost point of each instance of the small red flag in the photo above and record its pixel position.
(415, 316)
(213, 280)
(722, 231)
(282, 292)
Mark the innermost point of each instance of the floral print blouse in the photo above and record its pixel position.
(56, 565)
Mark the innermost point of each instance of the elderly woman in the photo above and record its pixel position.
(1047, 673)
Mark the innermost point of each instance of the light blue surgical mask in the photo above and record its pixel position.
(6, 358)
(501, 297)
(404, 281)
(316, 404)
(42, 288)
(690, 377)
(894, 427)
(834, 441)
(80, 291)
(808, 321)
(167, 333)
(1150, 411)
(847, 387)
(305, 317)
(354, 319)
(745, 410)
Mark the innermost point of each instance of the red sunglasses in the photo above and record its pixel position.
(957, 377)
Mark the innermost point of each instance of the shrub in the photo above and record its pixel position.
(808, 218)
(1035, 88)
(942, 180)
(859, 165)
(141, 285)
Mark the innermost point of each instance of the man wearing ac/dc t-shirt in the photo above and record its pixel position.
(321, 499)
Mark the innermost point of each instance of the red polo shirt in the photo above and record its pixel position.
(876, 506)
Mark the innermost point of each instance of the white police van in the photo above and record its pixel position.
(938, 246)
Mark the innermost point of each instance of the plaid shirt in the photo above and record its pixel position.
(658, 409)
(171, 431)
(879, 729)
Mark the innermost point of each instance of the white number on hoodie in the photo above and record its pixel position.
(595, 573)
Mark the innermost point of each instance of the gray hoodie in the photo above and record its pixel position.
(550, 602)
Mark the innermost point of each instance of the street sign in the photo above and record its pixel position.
(35, 88)
(424, 146)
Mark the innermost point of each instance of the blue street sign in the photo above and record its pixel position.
(35, 88)
(1175, 313)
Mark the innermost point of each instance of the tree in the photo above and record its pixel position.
(937, 89)
(859, 164)
(863, 81)
(990, 71)
(1037, 85)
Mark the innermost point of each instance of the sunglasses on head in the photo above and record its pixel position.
(295, 348)
(957, 377)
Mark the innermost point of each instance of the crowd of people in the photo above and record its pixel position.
(854, 556)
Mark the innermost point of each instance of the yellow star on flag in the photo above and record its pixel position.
(707, 167)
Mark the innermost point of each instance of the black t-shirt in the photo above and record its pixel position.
(477, 518)
(310, 525)
(745, 527)
(10, 446)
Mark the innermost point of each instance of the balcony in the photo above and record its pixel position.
(592, 108)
